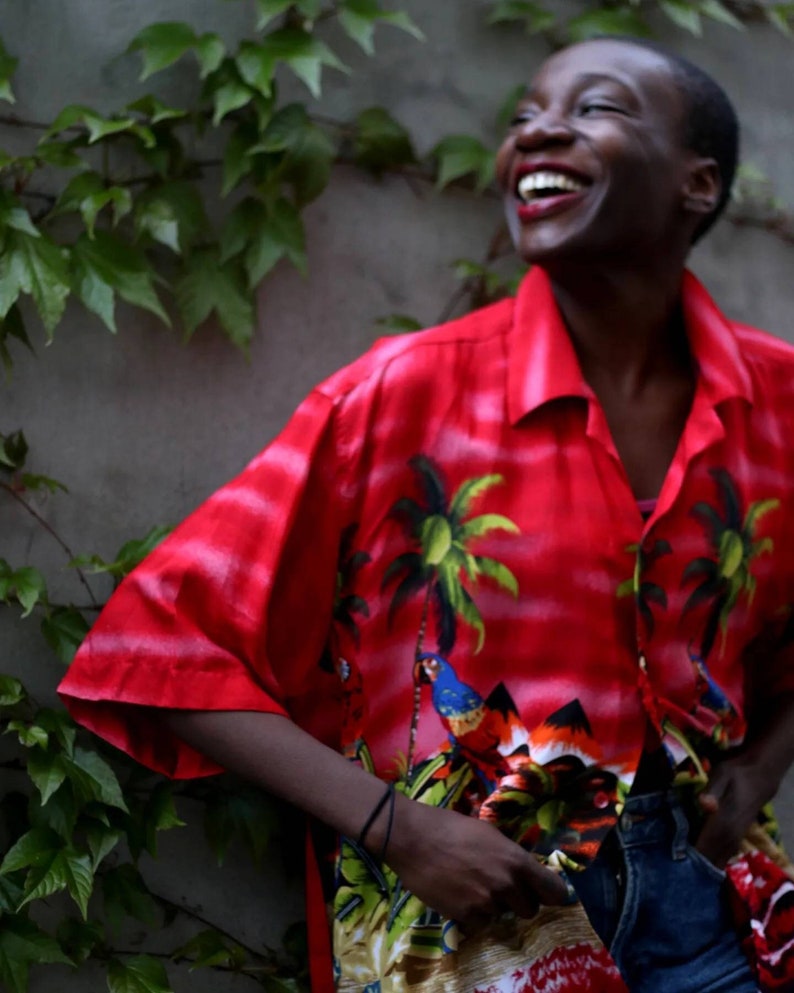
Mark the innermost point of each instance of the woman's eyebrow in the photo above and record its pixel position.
(585, 79)
(591, 78)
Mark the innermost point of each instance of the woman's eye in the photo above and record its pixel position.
(598, 106)
(522, 118)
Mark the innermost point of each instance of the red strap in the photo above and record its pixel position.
(320, 955)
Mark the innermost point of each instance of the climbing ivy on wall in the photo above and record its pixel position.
(123, 216)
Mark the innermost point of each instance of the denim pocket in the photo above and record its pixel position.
(698, 859)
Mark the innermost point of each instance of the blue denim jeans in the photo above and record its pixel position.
(660, 906)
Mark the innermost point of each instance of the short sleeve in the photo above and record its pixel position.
(247, 577)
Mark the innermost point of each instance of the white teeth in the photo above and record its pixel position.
(530, 185)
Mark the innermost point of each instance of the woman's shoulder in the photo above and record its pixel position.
(409, 355)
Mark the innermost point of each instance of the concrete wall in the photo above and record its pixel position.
(142, 428)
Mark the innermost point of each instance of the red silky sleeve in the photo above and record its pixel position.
(192, 627)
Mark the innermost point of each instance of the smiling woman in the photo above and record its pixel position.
(617, 123)
(580, 723)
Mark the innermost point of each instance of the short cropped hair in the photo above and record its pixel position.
(711, 127)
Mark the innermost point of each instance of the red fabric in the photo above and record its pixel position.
(476, 453)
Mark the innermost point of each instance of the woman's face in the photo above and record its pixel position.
(593, 164)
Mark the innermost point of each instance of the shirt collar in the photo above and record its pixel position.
(543, 365)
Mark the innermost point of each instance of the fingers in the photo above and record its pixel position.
(549, 886)
(716, 791)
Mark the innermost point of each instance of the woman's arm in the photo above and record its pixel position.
(458, 865)
(743, 782)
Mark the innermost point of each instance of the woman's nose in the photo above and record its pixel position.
(544, 128)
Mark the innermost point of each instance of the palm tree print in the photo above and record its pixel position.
(347, 604)
(440, 563)
(725, 576)
(644, 592)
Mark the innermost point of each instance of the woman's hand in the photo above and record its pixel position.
(465, 868)
(736, 792)
(460, 866)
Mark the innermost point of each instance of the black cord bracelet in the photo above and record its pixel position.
(373, 817)
(389, 823)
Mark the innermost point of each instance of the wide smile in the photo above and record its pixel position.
(542, 190)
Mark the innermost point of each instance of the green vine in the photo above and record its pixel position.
(123, 216)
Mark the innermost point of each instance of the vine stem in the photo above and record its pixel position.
(54, 534)
(252, 973)
(195, 915)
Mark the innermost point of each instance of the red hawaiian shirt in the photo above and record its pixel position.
(440, 569)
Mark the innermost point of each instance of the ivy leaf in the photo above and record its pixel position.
(101, 841)
(304, 54)
(281, 236)
(78, 938)
(47, 770)
(156, 813)
(380, 142)
(59, 813)
(173, 214)
(13, 450)
(53, 866)
(141, 974)
(507, 108)
(64, 630)
(131, 554)
(246, 812)
(29, 734)
(237, 160)
(595, 23)
(60, 154)
(8, 65)
(210, 52)
(97, 126)
(106, 265)
(268, 9)
(241, 227)
(12, 691)
(93, 779)
(717, 11)
(533, 16)
(33, 482)
(162, 44)
(87, 195)
(209, 948)
(10, 895)
(34, 265)
(463, 155)
(308, 163)
(60, 725)
(359, 17)
(683, 14)
(14, 215)
(228, 96)
(103, 127)
(398, 323)
(23, 944)
(68, 118)
(278, 984)
(781, 15)
(29, 588)
(125, 894)
(309, 151)
(209, 286)
(12, 326)
(155, 110)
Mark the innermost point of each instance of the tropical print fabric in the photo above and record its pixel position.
(440, 570)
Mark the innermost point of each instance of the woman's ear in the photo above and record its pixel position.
(702, 187)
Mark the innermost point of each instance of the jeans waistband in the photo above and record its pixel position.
(654, 818)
